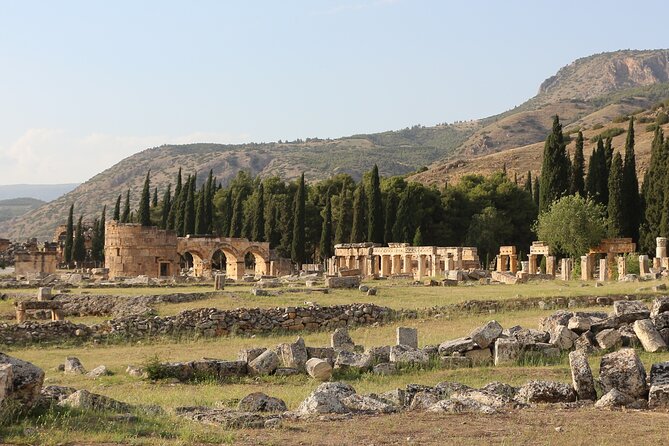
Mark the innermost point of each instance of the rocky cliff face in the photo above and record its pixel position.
(598, 75)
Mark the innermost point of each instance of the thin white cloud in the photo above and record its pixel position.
(57, 156)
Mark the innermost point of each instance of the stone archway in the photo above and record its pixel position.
(193, 259)
(260, 262)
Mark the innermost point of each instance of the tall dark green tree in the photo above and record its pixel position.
(145, 202)
(631, 205)
(597, 180)
(166, 207)
(236, 221)
(577, 185)
(556, 168)
(358, 228)
(616, 213)
(325, 245)
(209, 202)
(343, 229)
(226, 213)
(117, 209)
(391, 211)
(653, 192)
(418, 235)
(297, 248)
(125, 217)
(375, 224)
(69, 236)
(79, 249)
(536, 186)
(528, 183)
(189, 208)
(258, 230)
(200, 212)
(401, 228)
(154, 200)
(98, 237)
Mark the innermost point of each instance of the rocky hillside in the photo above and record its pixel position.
(15, 207)
(588, 93)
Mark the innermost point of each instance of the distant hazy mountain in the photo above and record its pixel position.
(44, 192)
(15, 207)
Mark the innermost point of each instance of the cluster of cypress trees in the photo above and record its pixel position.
(655, 194)
(611, 179)
(75, 240)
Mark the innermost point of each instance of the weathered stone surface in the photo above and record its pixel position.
(342, 282)
(502, 389)
(99, 371)
(623, 371)
(455, 362)
(340, 340)
(83, 399)
(461, 405)
(135, 372)
(507, 351)
(479, 356)
(613, 398)
(6, 379)
(649, 337)
(447, 388)
(73, 366)
(661, 321)
(609, 338)
(286, 371)
(385, 368)
(487, 334)
(380, 354)
(260, 402)
(325, 353)
(351, 360)
(408, 355)
(560, 317)
(395, 397)
(319, 369)
(545, 392)
(579, 324)
(293, 355)
(630, 310)
(658, 396)
(660, 305)
(459, 345)
(54, 394)
(264, 364)
(249, 354)
(326, 398)
(581, 376)
(542, 349)
(413, 389)
(228, 419)
(604, 324)
(371, 403)
(481, 397)
(26, 382)
(531, 336)
(425, 399)
(231, 369)
(407, 336)
(586, 342)
(628, 337)
(562, 337)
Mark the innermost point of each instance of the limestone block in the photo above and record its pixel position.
(608, 338)
(562, 337)
(630, 310)
(293, 355)
(581, 376)
(6, 381)
(545, 392)
(408, 355)
(660, 305)
(455, 362)
(325, 353)
(484, 336)
(658, 396)
(99, 371)
(260, 402)
(613, 398)
(73, 366)
(371, 404)
(380, 354)
(85, 400)
(579, 324)
(319, 369)
(340, 340)
(327, 398)
(407, 336)
(623, 371)
(459, 345)
(264, 364)
(358, 361)
(249, 354)
(385, 368)
(648, 335)
(479, 356)
(507, 351)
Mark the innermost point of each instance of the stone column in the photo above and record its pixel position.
(603, 270)
(622, 267)
(407, 268)
(550, 265)
(610, 265)
(458, 259)
(565, 269)
(219, 282)
(532, 266)
(449, 264)
(524, 266)
(661, 247)
(436, 265)
(643, 265)
(586, 267)
(513, 264)
(421, 266)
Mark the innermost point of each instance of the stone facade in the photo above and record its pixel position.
(35, 263)
(400, 258)
(611, 248)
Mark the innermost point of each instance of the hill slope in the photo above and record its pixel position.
(591, 90)
(15, 207)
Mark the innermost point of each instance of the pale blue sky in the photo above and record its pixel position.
(84, 84)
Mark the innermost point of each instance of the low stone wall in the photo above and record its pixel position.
(203, 322)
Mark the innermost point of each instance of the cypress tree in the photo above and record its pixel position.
(630, 199)
(200, 217)
(375, 228)
(556, 168)
(326, 229)
(79, 249)
(226, 214)
(167, 206)
(144, 203)
(403, 219)
(577, 169)
(270, 224)
(597, 181)
(528, 183)
(358, 228)
(342, 231)
(69, 236)
(173, 217)
(237, 215)
(616, 218)
(189, 208)
(117, 209)
(258, 230)
(664, 219)
(180, 213)
(154, 200)
(536, 187)
(418, 237)
(125, 217)
(209, 203)
(98, 237)
(101, 235)
(391, 211)
(297, 247)
(652, 192)
(608, 154)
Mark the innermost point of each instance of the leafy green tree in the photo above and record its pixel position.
(653, 192)
(125, 217)
(325, 246)
(258, 232)
(69, 236)
(616, 213)
(144, 203)
(358, 228)
(298, 243)
(375, 226)
(556, 168)
(631, 206)
(418, 237)
(486, 232)
(572, 225)
(117, 209)
(577, 185)
(79, 249)
(597, 180)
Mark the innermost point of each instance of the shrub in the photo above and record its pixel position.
(597, 126)
(621, 118)
(644, 119)
(608, 133)
(661, 118)
(651, 127)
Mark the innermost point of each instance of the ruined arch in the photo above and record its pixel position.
(260, 256)
(193, 258)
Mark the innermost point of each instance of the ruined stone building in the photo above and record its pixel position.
(401, 259)
(33, 260)
(135, 250)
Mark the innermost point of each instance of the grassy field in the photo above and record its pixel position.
(67, 426)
